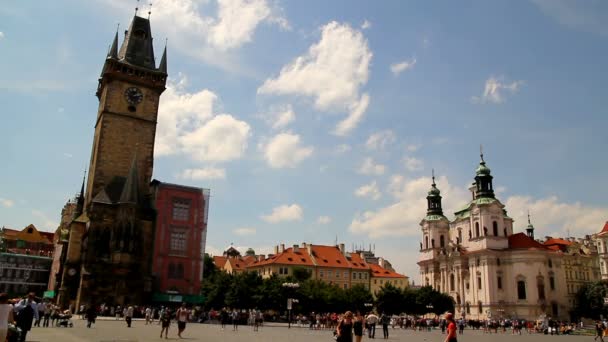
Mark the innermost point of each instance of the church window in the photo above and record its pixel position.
(468, 308)
(554, 308)
(550, 263)
(459, 235)
(426, 242)
(181, 209)
(433, 243)
(467, 286)
(499, 282)
(476, 229)
(479, 282)
(479, 307)
(521, 290)
(495, 228)
(497, 261)
(441, 241)
(178, 242)
(541, 288)
(452, 282)
(505, 232)
(552, 283)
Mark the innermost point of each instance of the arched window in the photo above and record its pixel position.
(441, 241)
(495, 228)
(521, 290)
(540, 285)
(476, 229)
(433, 243)
(452, 282)
(426, 242)
(480, 307)
(505, 231)
(459, 235)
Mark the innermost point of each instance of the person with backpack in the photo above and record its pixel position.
(27, 310)
(385, 320)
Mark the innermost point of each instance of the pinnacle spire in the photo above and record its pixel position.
(433, 175)
(80, 200)
(130, 191)
(162, 67)
(113, 53)
(481, 154)
(530, 228)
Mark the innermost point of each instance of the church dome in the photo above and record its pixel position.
(434, 191)
(482, 169)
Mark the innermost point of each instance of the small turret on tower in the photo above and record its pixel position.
(483, 179)
(530, 228)
(434, 199)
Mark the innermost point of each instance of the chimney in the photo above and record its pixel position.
(303, 244)
(261, 257)
(547, 238)
(282, 248)
(309, 248)
(276, 250)
(342, 248)
(296, 248)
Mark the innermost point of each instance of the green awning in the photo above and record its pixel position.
(177, 298)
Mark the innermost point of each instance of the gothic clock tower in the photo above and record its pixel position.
(117, 234)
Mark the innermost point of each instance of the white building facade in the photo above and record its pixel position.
(478, 260)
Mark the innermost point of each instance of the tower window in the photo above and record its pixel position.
(479, 283)
(499, 282)
(426, 242)
(441, 241)
(495, 228)
(433, 243)
(552, 283)
(476, 229)
(452, 282)
(181, 210)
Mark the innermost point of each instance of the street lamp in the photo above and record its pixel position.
(429, 307)
(290, 301)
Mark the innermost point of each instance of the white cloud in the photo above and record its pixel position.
(400, 67)
(370, 168)
(413, 164)
(551, 216)
(412, 147)
(366, 24)
(188, 125)
(342, 148)
(494, 90)
(332, 72)
(204, 173)
(284, 213)
(403, 216)
(1, 35)
(44, 221)
(324, 220)
(284, 150)
(368, 190)
(380, 140)
(244, 231)
(7, 203)
(279, 117)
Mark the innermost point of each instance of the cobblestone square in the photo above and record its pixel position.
(109, 331)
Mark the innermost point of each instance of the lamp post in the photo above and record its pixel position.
(429, 307)
(290, 301)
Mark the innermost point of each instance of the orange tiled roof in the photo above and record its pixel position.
(219, 261)
(35, 236)
(288, 257)
(248, 259)
(523, 241)
(604, 230)
(356, 261)
(329, 256)
(557, 241)
(379, 272)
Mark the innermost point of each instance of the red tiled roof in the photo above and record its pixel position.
(523, 241)
(219, 261)
(329, 256)
(356, 261)
(379, 272)
(288, 257)
(604, 230)
(557, 241)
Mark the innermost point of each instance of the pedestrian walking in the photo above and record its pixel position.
(48, 309)
(451, 336)
(6, 315)
(344, 330)
(358, 326)
(91, 314)
(129, 315)
(224, 316)
(599, 331)
(165, 321)
(148, 315)
(26, 310)
(182, 317)
(385, 320)
(40, 307)
(235, 320)
(371, 320)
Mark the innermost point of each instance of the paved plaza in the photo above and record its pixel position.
(108, 330)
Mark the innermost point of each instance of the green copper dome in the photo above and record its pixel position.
(482, 169)
(434, 191)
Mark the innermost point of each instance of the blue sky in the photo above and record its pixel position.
(316, 119)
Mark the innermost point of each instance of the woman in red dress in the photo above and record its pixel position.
(451, 336)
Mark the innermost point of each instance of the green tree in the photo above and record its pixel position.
(590, 301)
(301, 274)
(389, 299)
(357, 296)
(208, 266)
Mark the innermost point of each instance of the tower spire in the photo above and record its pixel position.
(80, 200)
(434, 199)
(162, 67)
(113, 53)
(530, 228)
(481, 153)
(433, 176)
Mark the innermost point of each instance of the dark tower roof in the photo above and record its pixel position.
(434, 200)
(113, 53)
(483, 180)
(80, 201)
(130, 191)
(530, 228)
(162, 67)
(137, 47)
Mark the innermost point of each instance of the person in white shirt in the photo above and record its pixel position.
(41, 306)
(129, 315)
(6, 315)
(148, 315)
(182, 315)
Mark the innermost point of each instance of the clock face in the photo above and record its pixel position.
(133, 95)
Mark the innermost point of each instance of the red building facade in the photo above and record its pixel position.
(181, 231)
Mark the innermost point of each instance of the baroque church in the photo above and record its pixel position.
(106, 242)
(489, 270)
